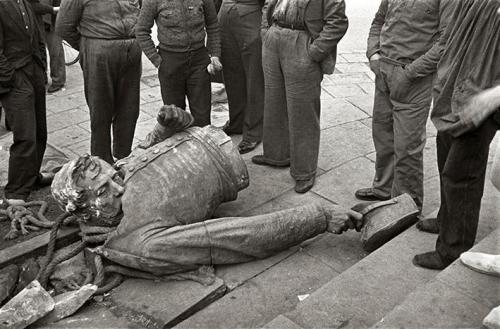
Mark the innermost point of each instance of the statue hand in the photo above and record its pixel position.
(340, 219)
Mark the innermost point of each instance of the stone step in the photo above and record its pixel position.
(456, 297)
(363, 294)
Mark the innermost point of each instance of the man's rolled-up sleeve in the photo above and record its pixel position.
(212, 28)
(68, 20)
(145, 22)
(335, 27)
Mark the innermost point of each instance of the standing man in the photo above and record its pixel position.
(300, 40)
(184, 63)
(240, 22)
(22, 94)
(466, 114)
(403, 53)
(103, 32)
(46, 11)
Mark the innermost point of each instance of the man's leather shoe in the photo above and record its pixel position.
(369, 194)
(430, 260)
(53, 89)
(261, 161)
(302, 186)
(43, 180)
(228, 131)
(246, 146)
(429, 225)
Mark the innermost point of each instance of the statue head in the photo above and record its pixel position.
(89, 186)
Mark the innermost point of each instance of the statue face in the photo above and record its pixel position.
(105, 190)
(91, 186)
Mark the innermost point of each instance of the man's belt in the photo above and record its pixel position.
(290, 26)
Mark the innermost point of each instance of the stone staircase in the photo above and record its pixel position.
(385, 290)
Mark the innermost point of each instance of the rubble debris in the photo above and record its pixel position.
(8, 279)
(28, 272)
(68, 303)
(31, 304)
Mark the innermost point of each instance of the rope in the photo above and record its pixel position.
(115, 281)
(24, 220)
(44, 276)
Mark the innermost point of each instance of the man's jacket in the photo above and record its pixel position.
(406, 32)
(326, 22)
(18, 46)
(470, 63)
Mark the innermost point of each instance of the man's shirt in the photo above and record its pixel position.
(97, 19)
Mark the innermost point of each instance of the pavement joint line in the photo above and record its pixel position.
(359, 108)
(324, 197)
(366, 156)
(459, 291)
(303, 249)
(362, 89)
(345, 162)
(345, 122)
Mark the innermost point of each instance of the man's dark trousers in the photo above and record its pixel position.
(26, 113)
(462, 166)
(111, 74)
(242, 67)
(184, 74)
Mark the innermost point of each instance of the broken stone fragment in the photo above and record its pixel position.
(384, 220)
(31, 304)
(28, 272)
(492, 320)
(68, 303)
(8, 279)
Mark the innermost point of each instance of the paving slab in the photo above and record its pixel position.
(353, 67)
(152, 108)
(346, 78)
(151, 80)
(482, 288)
(338, 111)
(341, 91)
(356, 57)
(342, 143)
(68, 136)
(436, 306)
(367, 87)
(266, 296)
(362, 294)
(281, 322)
(65, 119)
(340, 183)
(66, 102)
(162, 304)
(337, 251)
(150, 95)
(238, 274)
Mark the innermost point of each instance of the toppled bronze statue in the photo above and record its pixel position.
(162, 199)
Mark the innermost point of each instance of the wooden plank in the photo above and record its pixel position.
(36, 246)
